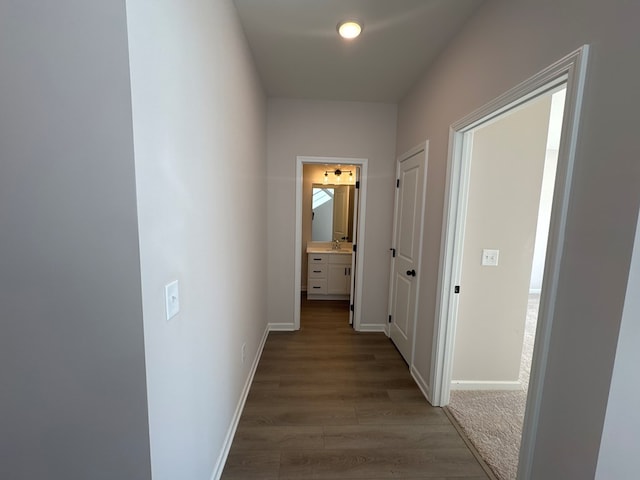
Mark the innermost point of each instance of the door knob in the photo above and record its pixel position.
(411, 273)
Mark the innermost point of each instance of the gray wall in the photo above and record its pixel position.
(619, 449)
(334, 129)
(505, 43)
(200, 146)
(73, 401)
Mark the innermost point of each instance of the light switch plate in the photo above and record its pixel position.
(172, 299)
(490, 257)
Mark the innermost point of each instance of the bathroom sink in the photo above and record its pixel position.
(327, 250)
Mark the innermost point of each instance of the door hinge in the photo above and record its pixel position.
(355, 248)
(456, 289)
(389, 318)
(358, 184)
(397, 183)
(393, 252)
(351, 307)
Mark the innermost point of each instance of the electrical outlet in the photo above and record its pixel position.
(244, 352)
(490, 257)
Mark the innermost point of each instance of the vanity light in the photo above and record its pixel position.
(337, 173)
(350, 29)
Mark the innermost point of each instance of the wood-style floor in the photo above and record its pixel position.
(331, 403)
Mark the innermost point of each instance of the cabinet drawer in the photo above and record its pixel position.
(340, 259)
(317, 258)
(317, 286)
(317, 270)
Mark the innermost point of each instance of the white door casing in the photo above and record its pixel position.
(407, 247)
(354, 240)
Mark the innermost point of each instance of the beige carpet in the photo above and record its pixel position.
(492, 420)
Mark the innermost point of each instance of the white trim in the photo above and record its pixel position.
(319, 296)
(228, 439)
(533, 291)
(421, 382)
(281, 327)
(572, 71)
(485, 385)
(362, 163)
(372, 327)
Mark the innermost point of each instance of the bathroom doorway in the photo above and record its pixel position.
(330, 199)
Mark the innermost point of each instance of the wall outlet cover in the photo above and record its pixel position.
(490, 257)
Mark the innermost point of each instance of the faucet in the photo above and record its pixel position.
(336, 244)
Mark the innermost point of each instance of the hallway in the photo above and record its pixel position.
(330, 403)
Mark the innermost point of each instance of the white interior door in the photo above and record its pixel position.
(407, 248)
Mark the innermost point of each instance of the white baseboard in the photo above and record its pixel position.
(372, 327)
(485, 385)
(228, 440)
(422, 385)
(281, 327)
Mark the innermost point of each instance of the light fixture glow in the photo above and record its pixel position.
(350, 29)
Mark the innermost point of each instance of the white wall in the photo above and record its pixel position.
(73, 396)
(199, 133)
(501, 46)
(621, 434)
(507, 162)
(334, 129)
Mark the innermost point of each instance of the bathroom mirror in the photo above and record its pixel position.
(332, 212)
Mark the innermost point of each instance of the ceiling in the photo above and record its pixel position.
(299, 54)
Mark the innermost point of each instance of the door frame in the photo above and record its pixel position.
(362, 163)
(570, 70)
(422, 147)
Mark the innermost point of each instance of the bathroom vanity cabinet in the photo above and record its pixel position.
(329, 276)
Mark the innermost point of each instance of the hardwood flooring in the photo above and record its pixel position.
(331, 403)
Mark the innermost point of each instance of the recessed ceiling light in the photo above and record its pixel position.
(350, 29)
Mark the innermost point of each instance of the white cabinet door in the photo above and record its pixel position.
(338, 279)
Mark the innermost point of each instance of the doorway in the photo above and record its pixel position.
(571, 71)
(512, 162)
(329, 265)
